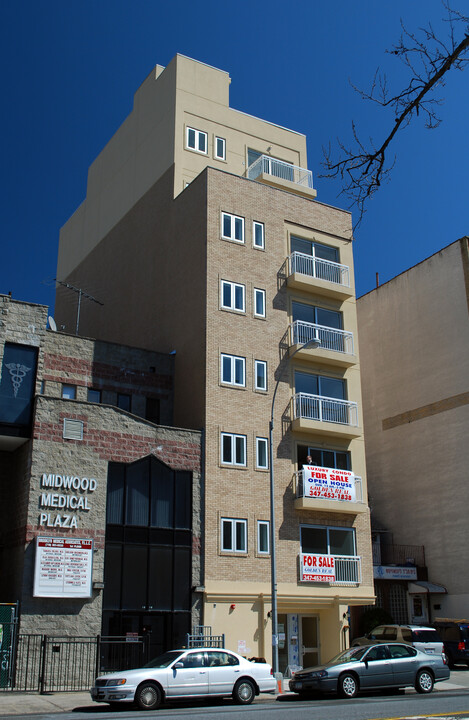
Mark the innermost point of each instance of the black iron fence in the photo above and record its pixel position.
(44, 663)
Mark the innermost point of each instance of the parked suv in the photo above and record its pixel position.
(426, 639)
(455, 636)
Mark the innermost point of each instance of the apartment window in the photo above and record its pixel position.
(220, 148)
(196, 140)
(260, 375)
(232, 227)
(327, 540)
(258, 235)
(233, 296)
(259, 302)
(263, 540)
(321, 385)
(69, 392)
(317, 250)
(234, 535)
(317, 315)
(94, 395)
(338, 459)
(233, 370)
(262, 462)
(123, 401)
(233, 449)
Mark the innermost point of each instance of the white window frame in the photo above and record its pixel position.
(235, 438)
(259, 293)
(233, 225)
(215, 148)
(256, 386)
(264, 442)
(235, 523)
(235, 361)
(256, 224)
(197, 135)
(233, 287)
(263, 523)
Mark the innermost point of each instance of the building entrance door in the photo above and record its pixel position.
(309, 641)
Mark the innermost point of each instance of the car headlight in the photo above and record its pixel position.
(319, 674)
(118, 681)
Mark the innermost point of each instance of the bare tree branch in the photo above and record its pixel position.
(363, 168)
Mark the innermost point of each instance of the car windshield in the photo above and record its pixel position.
(164, 660)
(353, 653)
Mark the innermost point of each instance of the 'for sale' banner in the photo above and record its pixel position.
(317, 568)
(328, 483)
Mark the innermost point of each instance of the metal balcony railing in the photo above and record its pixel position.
(404, 555)
(318, 268)
(331, 339)
(325, 409)
(280, 169)
(302, 488)
(348, 569)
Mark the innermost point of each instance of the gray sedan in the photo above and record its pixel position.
(373, 667)
(186, 674)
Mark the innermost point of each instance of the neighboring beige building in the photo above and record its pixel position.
(200, 235)
(414, 342)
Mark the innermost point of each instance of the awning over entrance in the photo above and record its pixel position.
(424, 586)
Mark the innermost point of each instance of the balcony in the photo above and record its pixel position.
(324, 277)
(403, 555)
(336, 345)
(324, 416)
(283, 175)
(341, 570)
(310, 497)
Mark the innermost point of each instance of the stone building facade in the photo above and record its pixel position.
(77, 417)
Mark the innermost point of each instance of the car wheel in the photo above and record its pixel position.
(424, 681)
(244, 692)
(148, 696)
(348, 686)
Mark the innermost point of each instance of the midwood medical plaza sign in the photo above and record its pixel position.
(63, 499)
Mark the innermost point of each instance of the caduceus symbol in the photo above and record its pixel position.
(17, 373)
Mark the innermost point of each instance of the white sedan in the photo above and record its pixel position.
(186, 674)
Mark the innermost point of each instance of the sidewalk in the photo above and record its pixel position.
(15, 703)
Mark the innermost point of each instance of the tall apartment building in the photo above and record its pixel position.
(200, 234)
(414, 340)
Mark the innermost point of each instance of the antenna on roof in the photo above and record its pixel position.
(52, 323)
(81, 293)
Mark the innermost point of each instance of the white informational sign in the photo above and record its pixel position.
(63, 567)
(391, 572)
(317, 568)
(328, 483)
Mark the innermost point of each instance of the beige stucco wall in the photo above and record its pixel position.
(414, 348)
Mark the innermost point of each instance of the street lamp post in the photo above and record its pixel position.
(313, 343)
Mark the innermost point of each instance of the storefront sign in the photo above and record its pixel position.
(328, 483)
(317, 568)
(65, 493)
(390, 572)
(63, 567)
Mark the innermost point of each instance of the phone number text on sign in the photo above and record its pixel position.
(317, 568)
(328, 483)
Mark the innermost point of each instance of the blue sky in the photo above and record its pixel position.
(71, 67)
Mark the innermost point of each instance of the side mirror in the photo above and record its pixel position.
(178, 665)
